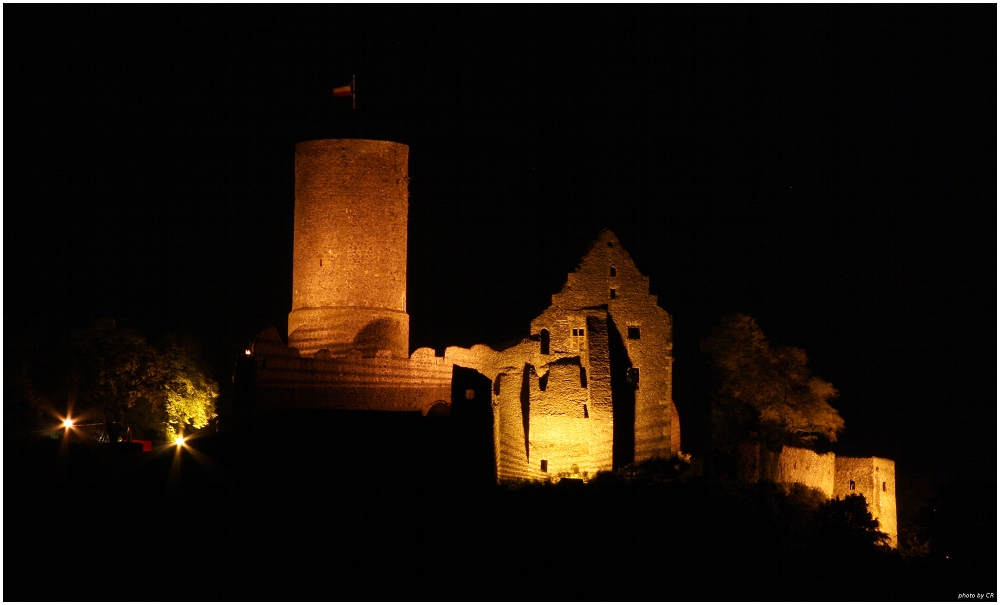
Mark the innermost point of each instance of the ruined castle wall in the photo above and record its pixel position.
(799, 465)
(349, 256)
(600, 410)
(875, 479)
(286, 380)
(559, 421)
(509, 430)
(608, 278)
(560, 401)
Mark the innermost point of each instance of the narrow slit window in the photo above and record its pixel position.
(583, 377)
(545, 466)
(544, 348)
(852, 485)
(633, 332)
(614, 294)
(883, 486)
(614, 272)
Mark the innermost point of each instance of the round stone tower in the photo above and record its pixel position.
(349, 259)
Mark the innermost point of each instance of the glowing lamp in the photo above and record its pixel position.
(247, 352)
(68, 423)
(179, 441)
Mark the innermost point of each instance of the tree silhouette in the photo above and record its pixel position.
(132, 383)
(767, 389)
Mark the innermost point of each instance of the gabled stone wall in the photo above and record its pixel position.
(591, 387)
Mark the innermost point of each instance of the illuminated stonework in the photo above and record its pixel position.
(875, 479)
(590, 389)
(349, 256)
(835, 476)
(348, 331)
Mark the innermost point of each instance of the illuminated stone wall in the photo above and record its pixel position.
(554, 404)
(608, 278)
(349, 254)
(799, 465)
(589, 389)
(286, 380)
(875, 479)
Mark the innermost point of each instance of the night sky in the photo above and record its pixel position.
(830, 171)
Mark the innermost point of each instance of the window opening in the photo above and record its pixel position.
(614, 272)
(883, 486)
(633, 332)
(583, 377)
(613, 294)
(545, 466)
(576, 332)
(852, 485)
(633, 376)
(586, 413)
(545, 342)
(470, 394)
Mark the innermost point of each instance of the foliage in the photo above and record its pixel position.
(190, 394)
(156, 391)
(654, 470)
(848, 523)
(767, 389)
(115, 369)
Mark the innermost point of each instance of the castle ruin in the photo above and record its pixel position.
(588, 389)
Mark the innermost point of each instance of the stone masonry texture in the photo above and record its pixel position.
(349, 253)
(588, 390)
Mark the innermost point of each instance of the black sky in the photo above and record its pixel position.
(830, 170)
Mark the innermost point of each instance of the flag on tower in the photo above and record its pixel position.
(346, 90)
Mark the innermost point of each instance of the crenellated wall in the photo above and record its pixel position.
(287, 380)
(587, 391)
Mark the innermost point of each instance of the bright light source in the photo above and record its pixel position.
(68, 423)
(247, 352)
(179, 440)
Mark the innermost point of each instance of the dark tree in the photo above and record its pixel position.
(155, 391)
(767, 389)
